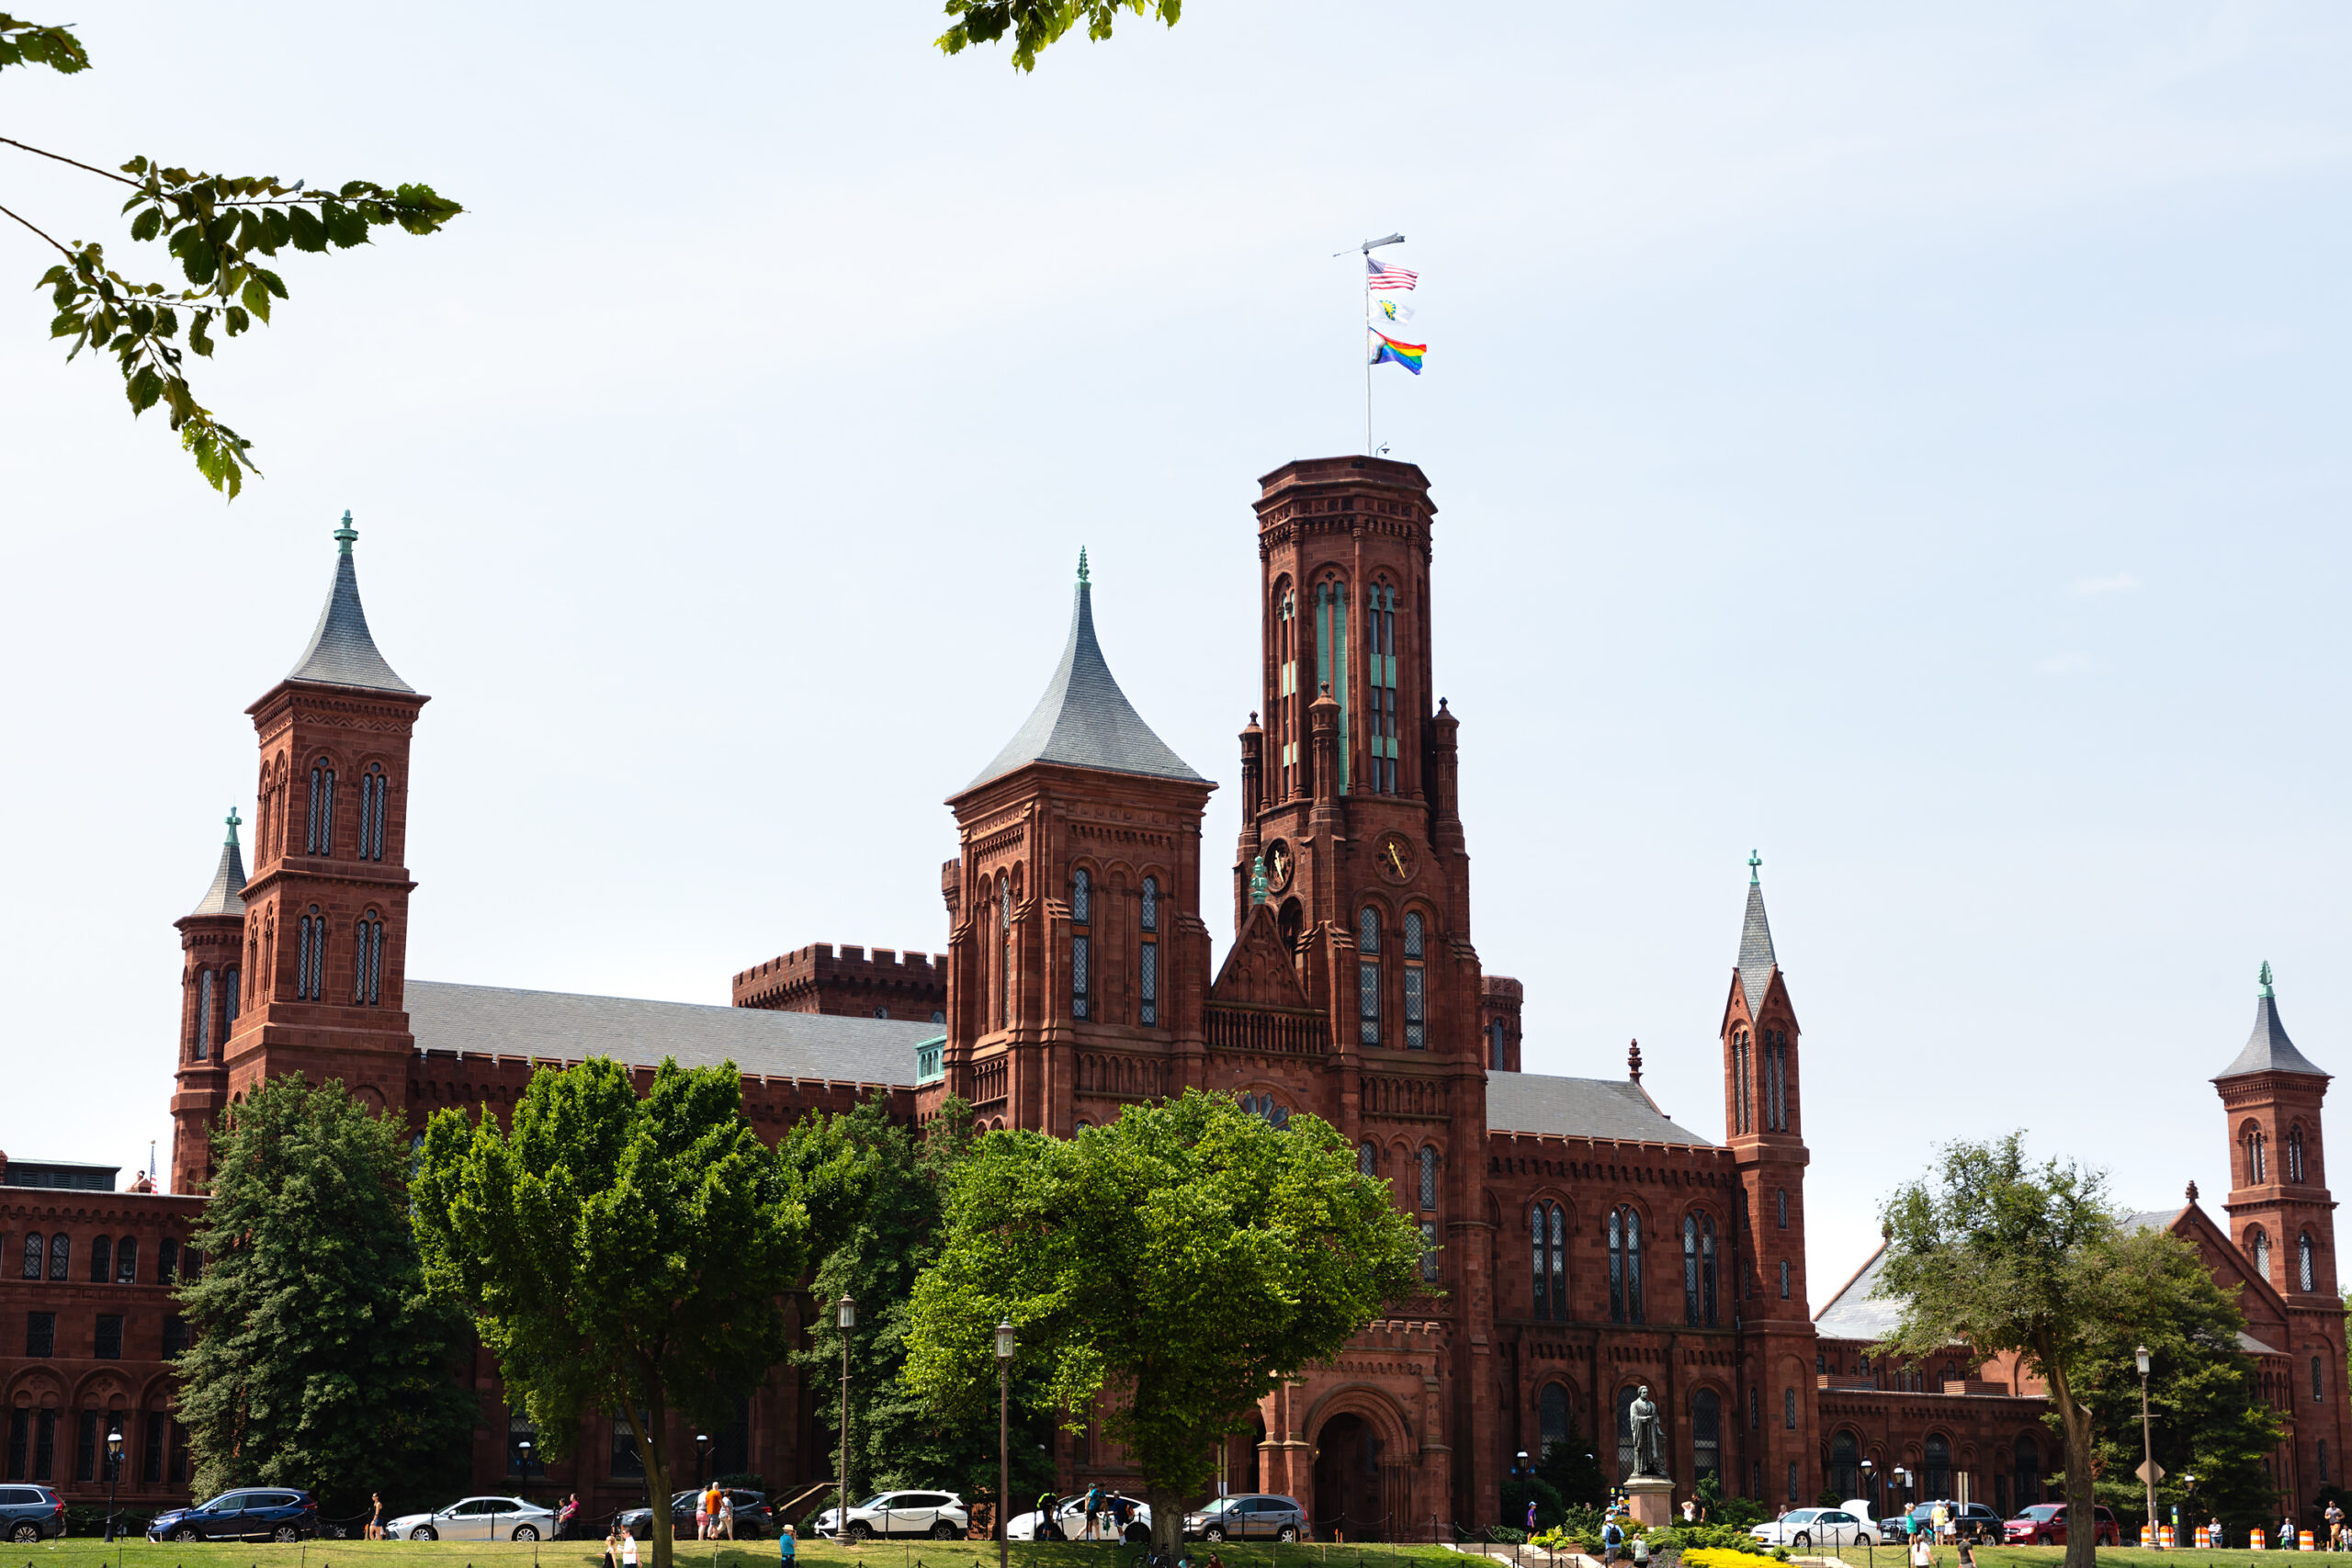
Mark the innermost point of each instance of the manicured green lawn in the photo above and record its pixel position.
(86, 1553)
(2050, 1556)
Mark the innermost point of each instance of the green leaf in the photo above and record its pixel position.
(144, 388)
(148, 224)
(274, 224)
(257, 297)
(236, 320)
(200, 333)
(30, 43)
(65, 324)
(310, 234)
(345, 227)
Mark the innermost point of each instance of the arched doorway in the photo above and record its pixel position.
(1348, 1491)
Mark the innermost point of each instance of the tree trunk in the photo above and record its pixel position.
(2082, 1510)
(1166, 1518)
(653, 1453)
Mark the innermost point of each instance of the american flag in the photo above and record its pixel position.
(1386, 277)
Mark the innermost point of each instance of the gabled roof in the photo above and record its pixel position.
(1756, 957)
(493, 1021)
(1852, 1313)
(2268, 1049)
(340, 652)
(225, 897)
(1084, 720)
(1579, 1108)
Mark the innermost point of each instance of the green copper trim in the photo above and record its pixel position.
(233, 820)
(1257, 879)
(1755, 863)
(345, 534)
(1081, 563)
(2266, 977)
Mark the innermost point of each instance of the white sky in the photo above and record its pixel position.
(1895, 441)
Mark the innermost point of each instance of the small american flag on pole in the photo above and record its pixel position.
(1386, 277)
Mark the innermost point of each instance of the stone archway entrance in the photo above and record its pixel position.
(1349, 1500)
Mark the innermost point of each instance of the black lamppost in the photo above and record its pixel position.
(114, 1471)
(1869, 1479)
(848, 1319)
(523, 1456)
(1004, 1441)
(2147, 1443)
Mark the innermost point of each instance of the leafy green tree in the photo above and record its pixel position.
(2003, 1257)
(617, 1253)
(215, 227)
(2207, 1415)
(1177, 1265)
(318, 1360)
(1035, 23)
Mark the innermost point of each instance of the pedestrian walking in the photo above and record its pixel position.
(2287, 1533)
(2335, 1527)
(1093, 1507)
(2213, 1533)
(1923, 1549)
(1045, 1526)
(628, 1549)
(1612, 1540)
(726, 1517)
(702, 1513)
(566, 1516)
(786, 1545)
(1967, 1554)
(613, 1546)
(376, 1519)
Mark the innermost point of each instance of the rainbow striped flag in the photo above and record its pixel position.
(1407, 355)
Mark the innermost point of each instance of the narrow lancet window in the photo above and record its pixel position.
(1368, 976)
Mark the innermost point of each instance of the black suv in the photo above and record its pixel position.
(256, 1513)
(29, 1513)
(755, 1520)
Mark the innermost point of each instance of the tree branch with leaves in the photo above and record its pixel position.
(219, 228)
(1037, 24)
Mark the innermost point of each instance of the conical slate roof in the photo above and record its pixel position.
(225, 897)
(1084, 720)
(2268, 1049)
(1756, 960)
(340, 652)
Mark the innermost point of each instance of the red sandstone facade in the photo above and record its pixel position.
(1580, 1243)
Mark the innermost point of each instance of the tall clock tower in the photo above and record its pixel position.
(1350, 827)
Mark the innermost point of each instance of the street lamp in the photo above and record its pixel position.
(1004, 1441)
(848, 1309)
(114, 1470)
(523, 1449)
(702, 1458)
(2147, 1439)
(1868, 1493)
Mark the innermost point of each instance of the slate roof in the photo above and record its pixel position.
(1579, 1108)
(1852, 1314)
(2268, 1049)
(1755, 958)
(225, 897)
(2152, 1219)
(497, 1020)
(340, 652)
(1084, 720)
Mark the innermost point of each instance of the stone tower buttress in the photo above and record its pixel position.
(211, 996)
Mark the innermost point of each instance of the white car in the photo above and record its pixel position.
(1069, 1523)
(1802, 1528)
(477, 1519)
(939, 1514)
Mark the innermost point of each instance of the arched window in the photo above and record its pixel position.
(1690, 1269)
(2303, 1261)
(2258, 1246)
(1548, 1244)
(1789, 1408)
(1004, 951)
(318, 838)
(228, 985)
(1624, 1266)
(1938, 1466)
(1742, 1100)
(1147, 959)
(1780, 1198)
(1429, 1177)
(1551, 1418)
(1368, 975)
(1367, 1160)
(367, 972)
(2318, 1387)
(375, 801)
(34, 1252)
(2028, 1471)
(1267, 1109)
(1784, 1279)
(1776, 1079)
(1286, 690)
(101, 1259)
(1332, 665)
(1380, 701)
(310, 958)
(1846, 1465)
(125, 1261)
(2257, 1166)
(1707, 1266)
(1495, 1042)
(204, 1015)
(1080, 912)
(1415, 1039)
(2295, 1152)
(61, 1256)
(1430, 1274)
(1754, 1411)
(1706, 1437)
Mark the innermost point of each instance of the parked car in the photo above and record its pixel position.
(477, 1519)
(940, 1515)
(1970, 1521)
(2044, 1524)
(1802, 1527)
(1256, 1517)
(1131, 1521)
(755, 1520)
(30, 1513)
(257, 1513)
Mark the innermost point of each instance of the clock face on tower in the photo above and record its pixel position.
(1278, 865)
(1394, 855)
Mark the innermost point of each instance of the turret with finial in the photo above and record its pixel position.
(1634, 1060)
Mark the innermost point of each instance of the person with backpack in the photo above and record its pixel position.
(1093, 1507)
(1612, 1539)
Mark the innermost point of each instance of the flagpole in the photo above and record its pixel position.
(1366, 250)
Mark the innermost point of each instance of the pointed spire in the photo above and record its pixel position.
(342, 653)
(225, 897)
(1084, 720)
(1757, 960)
(2268, 1049)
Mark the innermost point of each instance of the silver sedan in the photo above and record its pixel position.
(477, 1519)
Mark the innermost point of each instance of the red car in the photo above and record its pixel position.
(2044, 1524)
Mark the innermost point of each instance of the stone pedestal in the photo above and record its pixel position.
(1651, 1500)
